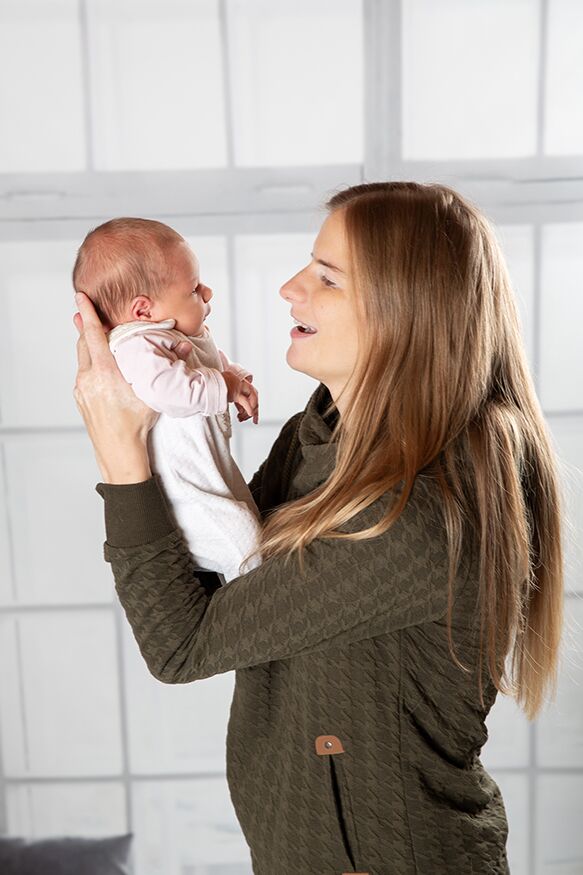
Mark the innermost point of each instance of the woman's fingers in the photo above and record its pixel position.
(183, 349)
(94, 334)
(83, 357)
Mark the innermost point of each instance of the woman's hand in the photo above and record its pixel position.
(116, 420)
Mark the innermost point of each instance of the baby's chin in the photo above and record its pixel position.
(201, 331)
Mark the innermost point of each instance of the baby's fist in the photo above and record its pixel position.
(244, 396)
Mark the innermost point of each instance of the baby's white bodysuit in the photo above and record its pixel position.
(189, 445)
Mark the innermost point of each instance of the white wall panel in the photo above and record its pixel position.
(38, 360)
(56, 520)
(157, 87)
(469, 78)
(41, 108)
(185, 827)
(59, 696)
(174, 728)
(561, 386)
(296, 79)
(564, 83)
(80, 809)
(262, 264)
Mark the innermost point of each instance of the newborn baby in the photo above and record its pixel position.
(144, 282)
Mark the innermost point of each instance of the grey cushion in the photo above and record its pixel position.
(65, 856)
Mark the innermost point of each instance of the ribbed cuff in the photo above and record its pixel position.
(135, 513)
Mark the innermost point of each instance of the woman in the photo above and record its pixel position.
(411, 543)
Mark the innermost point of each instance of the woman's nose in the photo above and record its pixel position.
(292, 289)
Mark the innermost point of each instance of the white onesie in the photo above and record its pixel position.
(189, 445)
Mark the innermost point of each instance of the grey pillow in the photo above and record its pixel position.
(65, 856)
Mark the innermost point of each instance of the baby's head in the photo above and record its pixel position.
(141, 270)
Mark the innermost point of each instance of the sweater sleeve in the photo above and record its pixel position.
(349, 590)
(165, 382)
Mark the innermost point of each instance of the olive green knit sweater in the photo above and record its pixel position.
(353, 739)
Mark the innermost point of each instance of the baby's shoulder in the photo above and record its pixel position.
(147, 341)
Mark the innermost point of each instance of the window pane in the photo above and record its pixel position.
(214, 272)
(187, 828)
(518, 247)
(560, 727)
(262, 264)
(563, 108)
(561, 387)
(174, 728)
(44, 810)
(36, 296)
(507, 744)
(297, 81)
(157, 89)
(59, 700)
(56, 520)
(567, 433)
(514, 789)
(255, 446)
(558, 833)
(469, 78)
(7, 583)
(41, 101)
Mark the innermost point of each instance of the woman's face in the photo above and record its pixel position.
(322, 296)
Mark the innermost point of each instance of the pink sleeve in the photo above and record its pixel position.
(233, 366)
(165, 383)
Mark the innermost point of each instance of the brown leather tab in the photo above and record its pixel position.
(326, 744)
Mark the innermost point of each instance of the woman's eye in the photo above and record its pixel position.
(326, 281)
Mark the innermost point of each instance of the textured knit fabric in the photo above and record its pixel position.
(189, 445)
(353, 742)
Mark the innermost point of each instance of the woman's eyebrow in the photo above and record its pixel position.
(326, 264)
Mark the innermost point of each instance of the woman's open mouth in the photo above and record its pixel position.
(302, 329)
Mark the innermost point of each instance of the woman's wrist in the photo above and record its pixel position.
(131, 464)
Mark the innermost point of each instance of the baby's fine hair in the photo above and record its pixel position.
(124, 258)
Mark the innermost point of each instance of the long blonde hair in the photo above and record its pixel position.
(443, 386)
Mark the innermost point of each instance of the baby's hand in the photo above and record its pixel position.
(244, 395)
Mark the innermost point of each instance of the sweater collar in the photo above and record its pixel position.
(318, 451)
(315, 429)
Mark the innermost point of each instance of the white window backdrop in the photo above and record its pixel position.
(232, 120)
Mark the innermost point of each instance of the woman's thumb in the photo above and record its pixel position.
(183, 349)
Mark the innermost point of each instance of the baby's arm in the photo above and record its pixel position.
(165, 382)
(234, 367)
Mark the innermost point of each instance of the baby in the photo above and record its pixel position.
(144, 282)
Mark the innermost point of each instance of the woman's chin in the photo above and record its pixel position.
(294, 361)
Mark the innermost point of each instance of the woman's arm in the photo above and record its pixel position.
(350, 589)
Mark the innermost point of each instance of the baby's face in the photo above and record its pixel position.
(187, 299)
